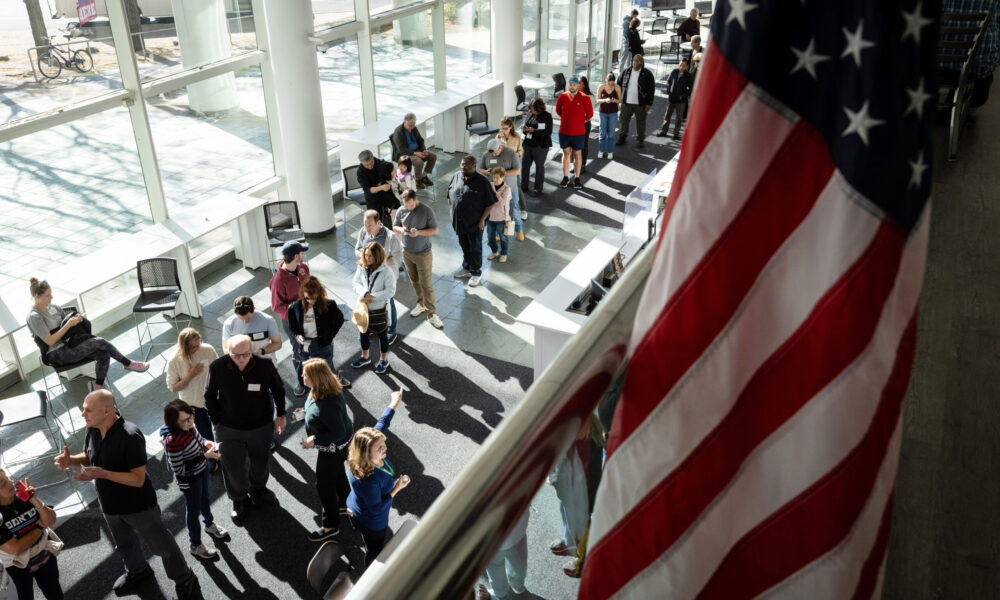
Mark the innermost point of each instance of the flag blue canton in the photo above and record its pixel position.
(860, 72)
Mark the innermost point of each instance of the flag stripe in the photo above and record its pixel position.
(836, 231)
(870, 570)
(707, 115)
(808, 359)
(705, 302)
(820, 518)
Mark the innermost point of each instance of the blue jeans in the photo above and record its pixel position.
(391, 329)
(494, 229)
(314, 350)
(508, 569)
(198, 502)
(606, 143)
(516, 200)
(570, 484)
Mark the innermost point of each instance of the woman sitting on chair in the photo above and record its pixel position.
(49, 324)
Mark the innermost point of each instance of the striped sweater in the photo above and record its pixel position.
(185, 454)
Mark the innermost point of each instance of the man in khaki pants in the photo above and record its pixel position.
(415, 223)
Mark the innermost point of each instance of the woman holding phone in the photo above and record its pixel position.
(373, 480)
(186, 374)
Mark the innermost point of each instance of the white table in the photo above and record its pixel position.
(554, 325)
(535, 83)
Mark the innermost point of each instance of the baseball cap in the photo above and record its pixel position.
(493, 145)
(574, 79)
(292, 248)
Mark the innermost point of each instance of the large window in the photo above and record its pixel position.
(330, 13)
(404, 63)
(467, 39)
(340, 85)
(376, 7)
(531, 30)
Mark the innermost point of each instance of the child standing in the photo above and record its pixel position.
(498, 216)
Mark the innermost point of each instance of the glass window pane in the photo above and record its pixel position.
(340, 85)
(467, 39)
(328, 13)
(404, 62)
(376, 7)
(556, 28)
(199, 151)
(82, 64)
(530, 30)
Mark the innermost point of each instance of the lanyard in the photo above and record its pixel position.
(390, 471)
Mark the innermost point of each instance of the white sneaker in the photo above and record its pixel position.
(202, 552)
(474, 281)
(418, 310)
(503, 258)
(493, 256)
(524, 215)
(611, 155)
(435, 321)
(215, 531)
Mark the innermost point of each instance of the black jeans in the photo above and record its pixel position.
(533, 155)
(332, 485)
(47, 578)
(471, 242)
(374, 542)
(96, 348)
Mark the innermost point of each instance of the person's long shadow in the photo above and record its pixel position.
(251, 589)
(281, 539)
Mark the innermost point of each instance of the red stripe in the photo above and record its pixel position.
(702, 306)
(721, 84)
(870, 570)
(819, 518)
(830, 339)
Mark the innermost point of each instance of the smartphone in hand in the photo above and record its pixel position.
(22, 491)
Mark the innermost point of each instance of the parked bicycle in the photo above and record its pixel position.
(52, 60)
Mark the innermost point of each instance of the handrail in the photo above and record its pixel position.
(465, 526)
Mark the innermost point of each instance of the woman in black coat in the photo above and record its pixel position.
(634, 42)
(315, 321)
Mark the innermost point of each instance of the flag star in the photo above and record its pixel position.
(860, 122)
(915, 21)
(855, 43)
(918, 97)
(807, 59)
(918, 168)
(738, 10)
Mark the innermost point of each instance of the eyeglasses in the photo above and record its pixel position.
(242, 354)
(189, 419)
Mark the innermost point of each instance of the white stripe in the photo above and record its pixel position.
(720, 181)
(798, 454)
(836, 231)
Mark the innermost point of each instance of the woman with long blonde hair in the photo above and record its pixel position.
(373, 480)
(186, 374)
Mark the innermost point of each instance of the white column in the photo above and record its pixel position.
(294, 71)
(203, 36)
(571, 39)
(366, 66)
(442, 129)
(507, 56)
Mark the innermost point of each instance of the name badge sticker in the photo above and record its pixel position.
(541, 127)
(257, 335)
(253, 387)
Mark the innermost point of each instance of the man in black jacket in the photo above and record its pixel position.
(374, 175)
(470, 197)
(239, 406)
(638, 87)
(679, 86)
(407, 141)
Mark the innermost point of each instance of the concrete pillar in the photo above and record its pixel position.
(295, 72)
(411, 30)
(203, 36)
(507, 56)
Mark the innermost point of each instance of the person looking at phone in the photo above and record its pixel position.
(186, 374)
(50, 323)
(28, 547)
(114, 458)
(415, 224)
(187, 454)
(373, 480)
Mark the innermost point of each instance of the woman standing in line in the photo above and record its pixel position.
(585, 90)
(373, 481)
(314, 321)
(609, 96)
(509, 137)
(329, 428)
(186, 374)
(537, 141)
(374, 283)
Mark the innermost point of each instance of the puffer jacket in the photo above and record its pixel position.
(382, 287)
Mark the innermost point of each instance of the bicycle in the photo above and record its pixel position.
(51, 63)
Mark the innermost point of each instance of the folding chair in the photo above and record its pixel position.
(283, 225)
(159, 291)
(477, 120)
(961, 34)
(521, 102)
(18, 450)
(560, 80)
(669, 53)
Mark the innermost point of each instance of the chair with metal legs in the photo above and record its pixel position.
(159, 291)
(18, 450)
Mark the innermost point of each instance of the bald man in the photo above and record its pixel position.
(114, 458)
(238, 404)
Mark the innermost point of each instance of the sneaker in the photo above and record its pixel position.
(216, 531)
(462, 273)
(661, 133)
(493, 256)
(426, 180)
(577, 184)
(420, 185)
(392, 338)
(188, 588)
(435, 321)
(345, 383)
(322, 534)
(381, 366)
(138, 367)
(239, 512)
(503, 258)
(299, 390)
(418, 310)
(520, 236)
(611, 156)
(264, 497)
(640, 144)
(570, 569)
(559, 548)
(93, 386)
(474, 282)
(361, 361)
(129, 582)
(524, 213)
(202, 551)
(604, 154)
(677, 136)
(563, 184)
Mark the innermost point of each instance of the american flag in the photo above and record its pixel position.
(755, 444)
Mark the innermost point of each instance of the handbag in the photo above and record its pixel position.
(359, 316)
(78, 333)
(378, 321)
(508, 228)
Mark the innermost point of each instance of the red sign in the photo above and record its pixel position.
(86, 10)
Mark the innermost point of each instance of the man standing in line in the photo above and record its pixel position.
(498, 155)
(238, 398)
(114, 458)
(679, 85)
(284, 290)
(574, 109)
(470, 196)
(690, 27)
(626, 58)
(639, 86)
(415, 224)
(375, 231)
(407, 141)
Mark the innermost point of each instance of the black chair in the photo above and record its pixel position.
(159, 291)
(704, 8)
(352, 191)
(22, 449)
(477, 120)
(616, 56)
(960, 37)
(395, 150)
(283, 225)
(65, 372)
(560, 80)
(658, 27)
(669, 53)
(522, 105)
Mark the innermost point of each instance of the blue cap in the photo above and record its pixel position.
(574, 79)
(292, 248)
